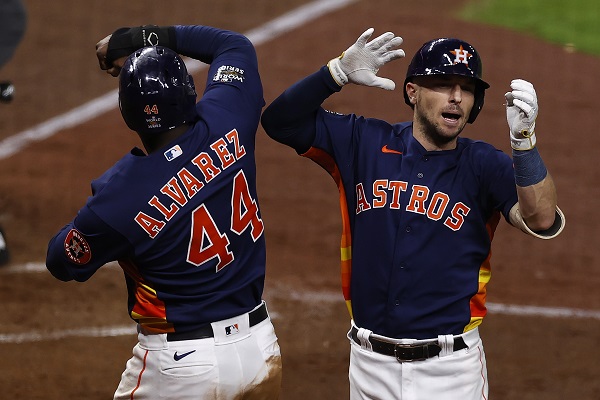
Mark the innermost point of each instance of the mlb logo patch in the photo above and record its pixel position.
(232, 330)
(173, 153)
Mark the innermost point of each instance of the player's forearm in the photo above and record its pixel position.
(291, 118)
(535, 189)
(537, 212)
(537, 204)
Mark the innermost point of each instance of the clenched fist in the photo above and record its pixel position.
(521, 112)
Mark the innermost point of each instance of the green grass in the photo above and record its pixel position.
(567, 22)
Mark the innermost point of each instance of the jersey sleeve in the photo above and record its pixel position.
(84, 245)
(291, 118)
(206, 43)
(233, 89)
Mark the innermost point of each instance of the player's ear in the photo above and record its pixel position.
(411, 92)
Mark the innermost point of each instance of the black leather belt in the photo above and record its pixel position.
(407, 352)
(206, 331)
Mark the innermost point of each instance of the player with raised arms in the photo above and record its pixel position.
(420, 205)
(181, 217)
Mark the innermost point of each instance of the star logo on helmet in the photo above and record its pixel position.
(461, 55)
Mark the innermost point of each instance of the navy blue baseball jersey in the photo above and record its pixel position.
(184, 222)
(417, 225)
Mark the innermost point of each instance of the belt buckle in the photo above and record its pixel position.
(408, 352)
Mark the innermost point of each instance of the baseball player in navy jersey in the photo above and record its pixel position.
(420, 205)
(181, 218)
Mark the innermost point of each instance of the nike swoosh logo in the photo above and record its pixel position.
(385, 149)
(178, 357)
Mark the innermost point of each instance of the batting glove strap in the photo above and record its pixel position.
(527, 140)
(125, 41)
(335, 69)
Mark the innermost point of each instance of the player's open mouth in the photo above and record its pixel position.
(453, 117)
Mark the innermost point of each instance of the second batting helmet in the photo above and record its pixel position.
(448, 56)
(156, 92)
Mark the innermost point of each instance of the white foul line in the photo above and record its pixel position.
(536, 311)
(36, 336)
(94, 108)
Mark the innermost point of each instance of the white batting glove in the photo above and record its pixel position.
(521, 112)
(360, 63)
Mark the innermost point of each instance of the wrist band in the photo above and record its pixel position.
(529, 167)
(125, 41)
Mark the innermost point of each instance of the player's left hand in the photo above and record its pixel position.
(521, 112)
(360, 63)
(113, 68)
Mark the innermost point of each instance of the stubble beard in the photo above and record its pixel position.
(432, 132)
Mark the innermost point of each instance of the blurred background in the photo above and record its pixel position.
(62, 128)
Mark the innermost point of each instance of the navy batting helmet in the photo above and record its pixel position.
(156, 93)
(448, 56)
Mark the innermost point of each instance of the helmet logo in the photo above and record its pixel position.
(461, 55)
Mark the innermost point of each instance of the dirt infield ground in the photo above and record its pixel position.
(42, 186)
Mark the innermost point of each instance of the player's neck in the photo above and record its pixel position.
(155, 141)
(433, 139)
(430, 143)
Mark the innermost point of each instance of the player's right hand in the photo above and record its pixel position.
(360, 63)
(113, 68)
